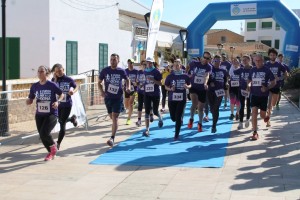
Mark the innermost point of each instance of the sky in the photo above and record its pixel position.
(183, 12)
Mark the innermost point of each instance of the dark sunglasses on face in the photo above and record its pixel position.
(206, 58)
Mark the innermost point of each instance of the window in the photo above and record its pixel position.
(223, 39)
(251, 26)
(277, 27)
(250, 40)
(103, 56)
(72, 58)
(277, 43)
(267, 42)
(266, 25)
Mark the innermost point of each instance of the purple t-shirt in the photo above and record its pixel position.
(281, 79)
(132, 74)
(225, 65)
(141, 82)
(218, 77)
(65, 83)
(45, 96)
(152, 89)
(198, 71)
(244, 74)
(277, 69)
(234, 81)
(113, 81)
(259, 77)
(177, 80)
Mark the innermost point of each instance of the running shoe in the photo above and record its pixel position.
(110, 142)
(200, 127)
(231, 117)
(176, 138)
(190, 124)
(237, 116)
(160, 123)
(206, 119)
(225, 106)
(73, 119)
(128, 122)
(267, 118)
(138, 123)
(240, 126)
(254, 136)
(247, 123)
(268, 124)
(277, 107)
(48, 157)
(146, 133)
(162, 110)
(151, 118)
(213, 129)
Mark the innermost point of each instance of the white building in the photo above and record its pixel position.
(81, 35)
(266, 31)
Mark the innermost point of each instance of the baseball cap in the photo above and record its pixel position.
(149, 59)
(130, 60)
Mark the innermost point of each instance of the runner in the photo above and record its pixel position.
(129, 97)
(113, 95)
(282, 78)
(152, 94)
(277, 69)
(217, 81)
(176, 84)
(141, 91)
(164, 73)
(243, 93)
(259, 77)
(226, 64)
(46, 108)
(68, 86)
(234, 83)
(199, 74)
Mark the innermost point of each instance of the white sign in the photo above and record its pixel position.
(155, 19)
(290, 47)
(243, 9)
(193, 51)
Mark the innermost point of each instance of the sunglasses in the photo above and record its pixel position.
(206, 58)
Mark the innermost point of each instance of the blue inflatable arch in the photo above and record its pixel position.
(247, 10)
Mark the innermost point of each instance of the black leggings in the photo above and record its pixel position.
(164, 96)
(242, 108)
(214, 104)
(140, 101)
(63, 118)
(176, 109)
(44, 125)
(151, 102)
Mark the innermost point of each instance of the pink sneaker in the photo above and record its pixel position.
(53, 150)
(48, 157)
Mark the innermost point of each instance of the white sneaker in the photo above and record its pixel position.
(240, 126)
(247, 123)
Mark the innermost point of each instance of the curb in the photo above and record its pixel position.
(291, 102)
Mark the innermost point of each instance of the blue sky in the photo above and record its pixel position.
(183, 12)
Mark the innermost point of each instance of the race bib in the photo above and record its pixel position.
(245, 93)
(220, 92)
(256, 82)
(177, 96)
(65, 97)
(112, 89)
(43, 107)
(149, 88)
(199, 80)
(235, 83)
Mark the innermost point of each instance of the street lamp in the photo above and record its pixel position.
(147, 18)
(232, 49)
(220, 47)
(183, 36)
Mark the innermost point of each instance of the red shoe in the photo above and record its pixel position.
(53, 150)
(254, 136)
(199, 127)
(48, 157)
(267, 118)
(190, 124)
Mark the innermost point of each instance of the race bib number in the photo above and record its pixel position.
(112, 89)
(199, 80)
(177, 96)
(43, 107)
(220, 92)
(245, 93)
(149, 88)
(235, 83)
(256, 82)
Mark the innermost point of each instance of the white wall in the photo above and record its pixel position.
(29, 20)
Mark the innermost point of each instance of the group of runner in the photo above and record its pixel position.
(248, 82)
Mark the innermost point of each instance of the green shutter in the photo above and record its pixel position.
(103, 56)
(71, 58)
(277, 27)
(251, 26)
(266, 25)
(277, 43)
(267, 42)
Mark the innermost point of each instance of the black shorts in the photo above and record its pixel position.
(113, 105)
(275, 90)
(200, 93)
(259, 102)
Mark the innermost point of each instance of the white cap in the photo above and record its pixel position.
(149, 59)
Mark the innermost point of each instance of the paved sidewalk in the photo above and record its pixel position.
(267, 169)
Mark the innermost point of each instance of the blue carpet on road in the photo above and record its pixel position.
(194, 149)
